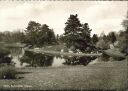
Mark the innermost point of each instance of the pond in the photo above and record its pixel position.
(22, 58)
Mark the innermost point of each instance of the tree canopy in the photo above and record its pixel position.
(38, 35)
(112, 37)
(77, 35)
(95, 38)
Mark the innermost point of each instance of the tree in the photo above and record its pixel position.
(95, 38)
(125, 22)
(46, 35)
(71, 30)
(103, 36)
(39, 35)
(86, 33)
(72, 25)
(76, 35)
(15, 36)
(101, 44)
(32, 32)
(123, 43)
(112, 37)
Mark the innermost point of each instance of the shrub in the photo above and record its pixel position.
(102, 45)
(4, 55)
(123, 45)
(4, 52)
(7, 72)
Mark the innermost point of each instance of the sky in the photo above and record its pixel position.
(100, 15)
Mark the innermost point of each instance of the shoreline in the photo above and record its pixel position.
(63, 53)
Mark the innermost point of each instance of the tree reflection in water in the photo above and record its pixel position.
(43, 60)
(37, 59)
(78, 60)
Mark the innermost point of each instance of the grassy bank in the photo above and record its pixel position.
(62, 53)
(101, 75)
(5, 44)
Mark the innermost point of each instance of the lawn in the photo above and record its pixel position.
(101, 75)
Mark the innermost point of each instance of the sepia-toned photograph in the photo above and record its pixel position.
(63, 45)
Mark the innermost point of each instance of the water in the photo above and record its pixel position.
(22, 58)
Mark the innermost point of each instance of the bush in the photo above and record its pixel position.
(123, 45)
(4, 55)
(5, 60)
(102, 45)
(7, 72)
(4, 52)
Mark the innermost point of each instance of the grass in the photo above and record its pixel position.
(54, 47)
(101, 75)
(7, 72)
(6, 44)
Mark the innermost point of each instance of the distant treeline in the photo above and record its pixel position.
(7, 36)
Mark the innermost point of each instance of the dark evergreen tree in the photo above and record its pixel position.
(46, 35)
(94, 39)
(77, 35)
(112, 37)
(71, 30)
(72, 25)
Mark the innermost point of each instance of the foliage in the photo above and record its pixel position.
(78, 60)
(4, 51)
(7, 72)
(36, 59)
(3, 56)
(32, 32)
(104, 37)
(101, 44)
(125, 22)
(95, 38)
(38, 35)
(112, 37)
(77, 34)
(123, 42)
(10, 37)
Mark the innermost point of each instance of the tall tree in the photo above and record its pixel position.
(112, 37)
(32, 32)
(71, 30)
(72, 25)
(95, 39)
(124, 38)
(46, 35)
(77, 35)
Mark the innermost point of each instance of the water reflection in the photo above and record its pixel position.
(36, 59)
(58, 61)
(23, 58)
(16, 54)
(44, 60)
(76, 60)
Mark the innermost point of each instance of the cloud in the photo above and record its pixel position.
(101, 16)
(105, 16)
